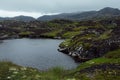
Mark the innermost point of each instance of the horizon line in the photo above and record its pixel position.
(10, 14)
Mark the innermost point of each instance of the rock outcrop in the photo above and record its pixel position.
(92, 43)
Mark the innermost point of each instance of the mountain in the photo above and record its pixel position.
(59, 16)
(106, 12)
(103, 13)
(19, 18)
(4, 18)
(24, 18)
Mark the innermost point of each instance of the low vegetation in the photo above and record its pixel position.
(95, 41)
(10, 71)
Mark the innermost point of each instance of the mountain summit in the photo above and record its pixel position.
(109, 10)
(105, 12)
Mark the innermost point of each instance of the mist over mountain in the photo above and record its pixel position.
(106, 12)
(19, 18)
(24, 18)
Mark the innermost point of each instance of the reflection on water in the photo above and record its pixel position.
(37, 53)
(1, 41)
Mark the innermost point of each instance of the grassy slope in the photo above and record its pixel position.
(112, 57)
(10, 71)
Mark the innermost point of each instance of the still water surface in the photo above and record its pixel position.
(37, 53)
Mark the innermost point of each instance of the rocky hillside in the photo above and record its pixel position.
(94, 43)
(94, 40)
(36, 29)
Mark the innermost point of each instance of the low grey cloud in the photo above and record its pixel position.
(56, 6)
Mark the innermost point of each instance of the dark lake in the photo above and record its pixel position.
(37, 53)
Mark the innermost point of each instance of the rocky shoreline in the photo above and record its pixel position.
(4, 37)
(98, 48)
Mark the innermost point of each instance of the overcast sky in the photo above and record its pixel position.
(36, 8)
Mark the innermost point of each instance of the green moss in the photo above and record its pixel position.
(109, 74)
(99, 75)
(52, 33)
(78, 41)
(65, 43)
(26, 33)
(80, 28)
(10, 71)
(106, 75)
(53, 74)
(88, 37)
(113, 54)
(105, 35)
(53, 25)
(98, 61)
(70, 34)
(87, 45)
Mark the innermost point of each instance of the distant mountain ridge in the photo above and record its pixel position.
(19, 18)
(106, 12)
(24, 18)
